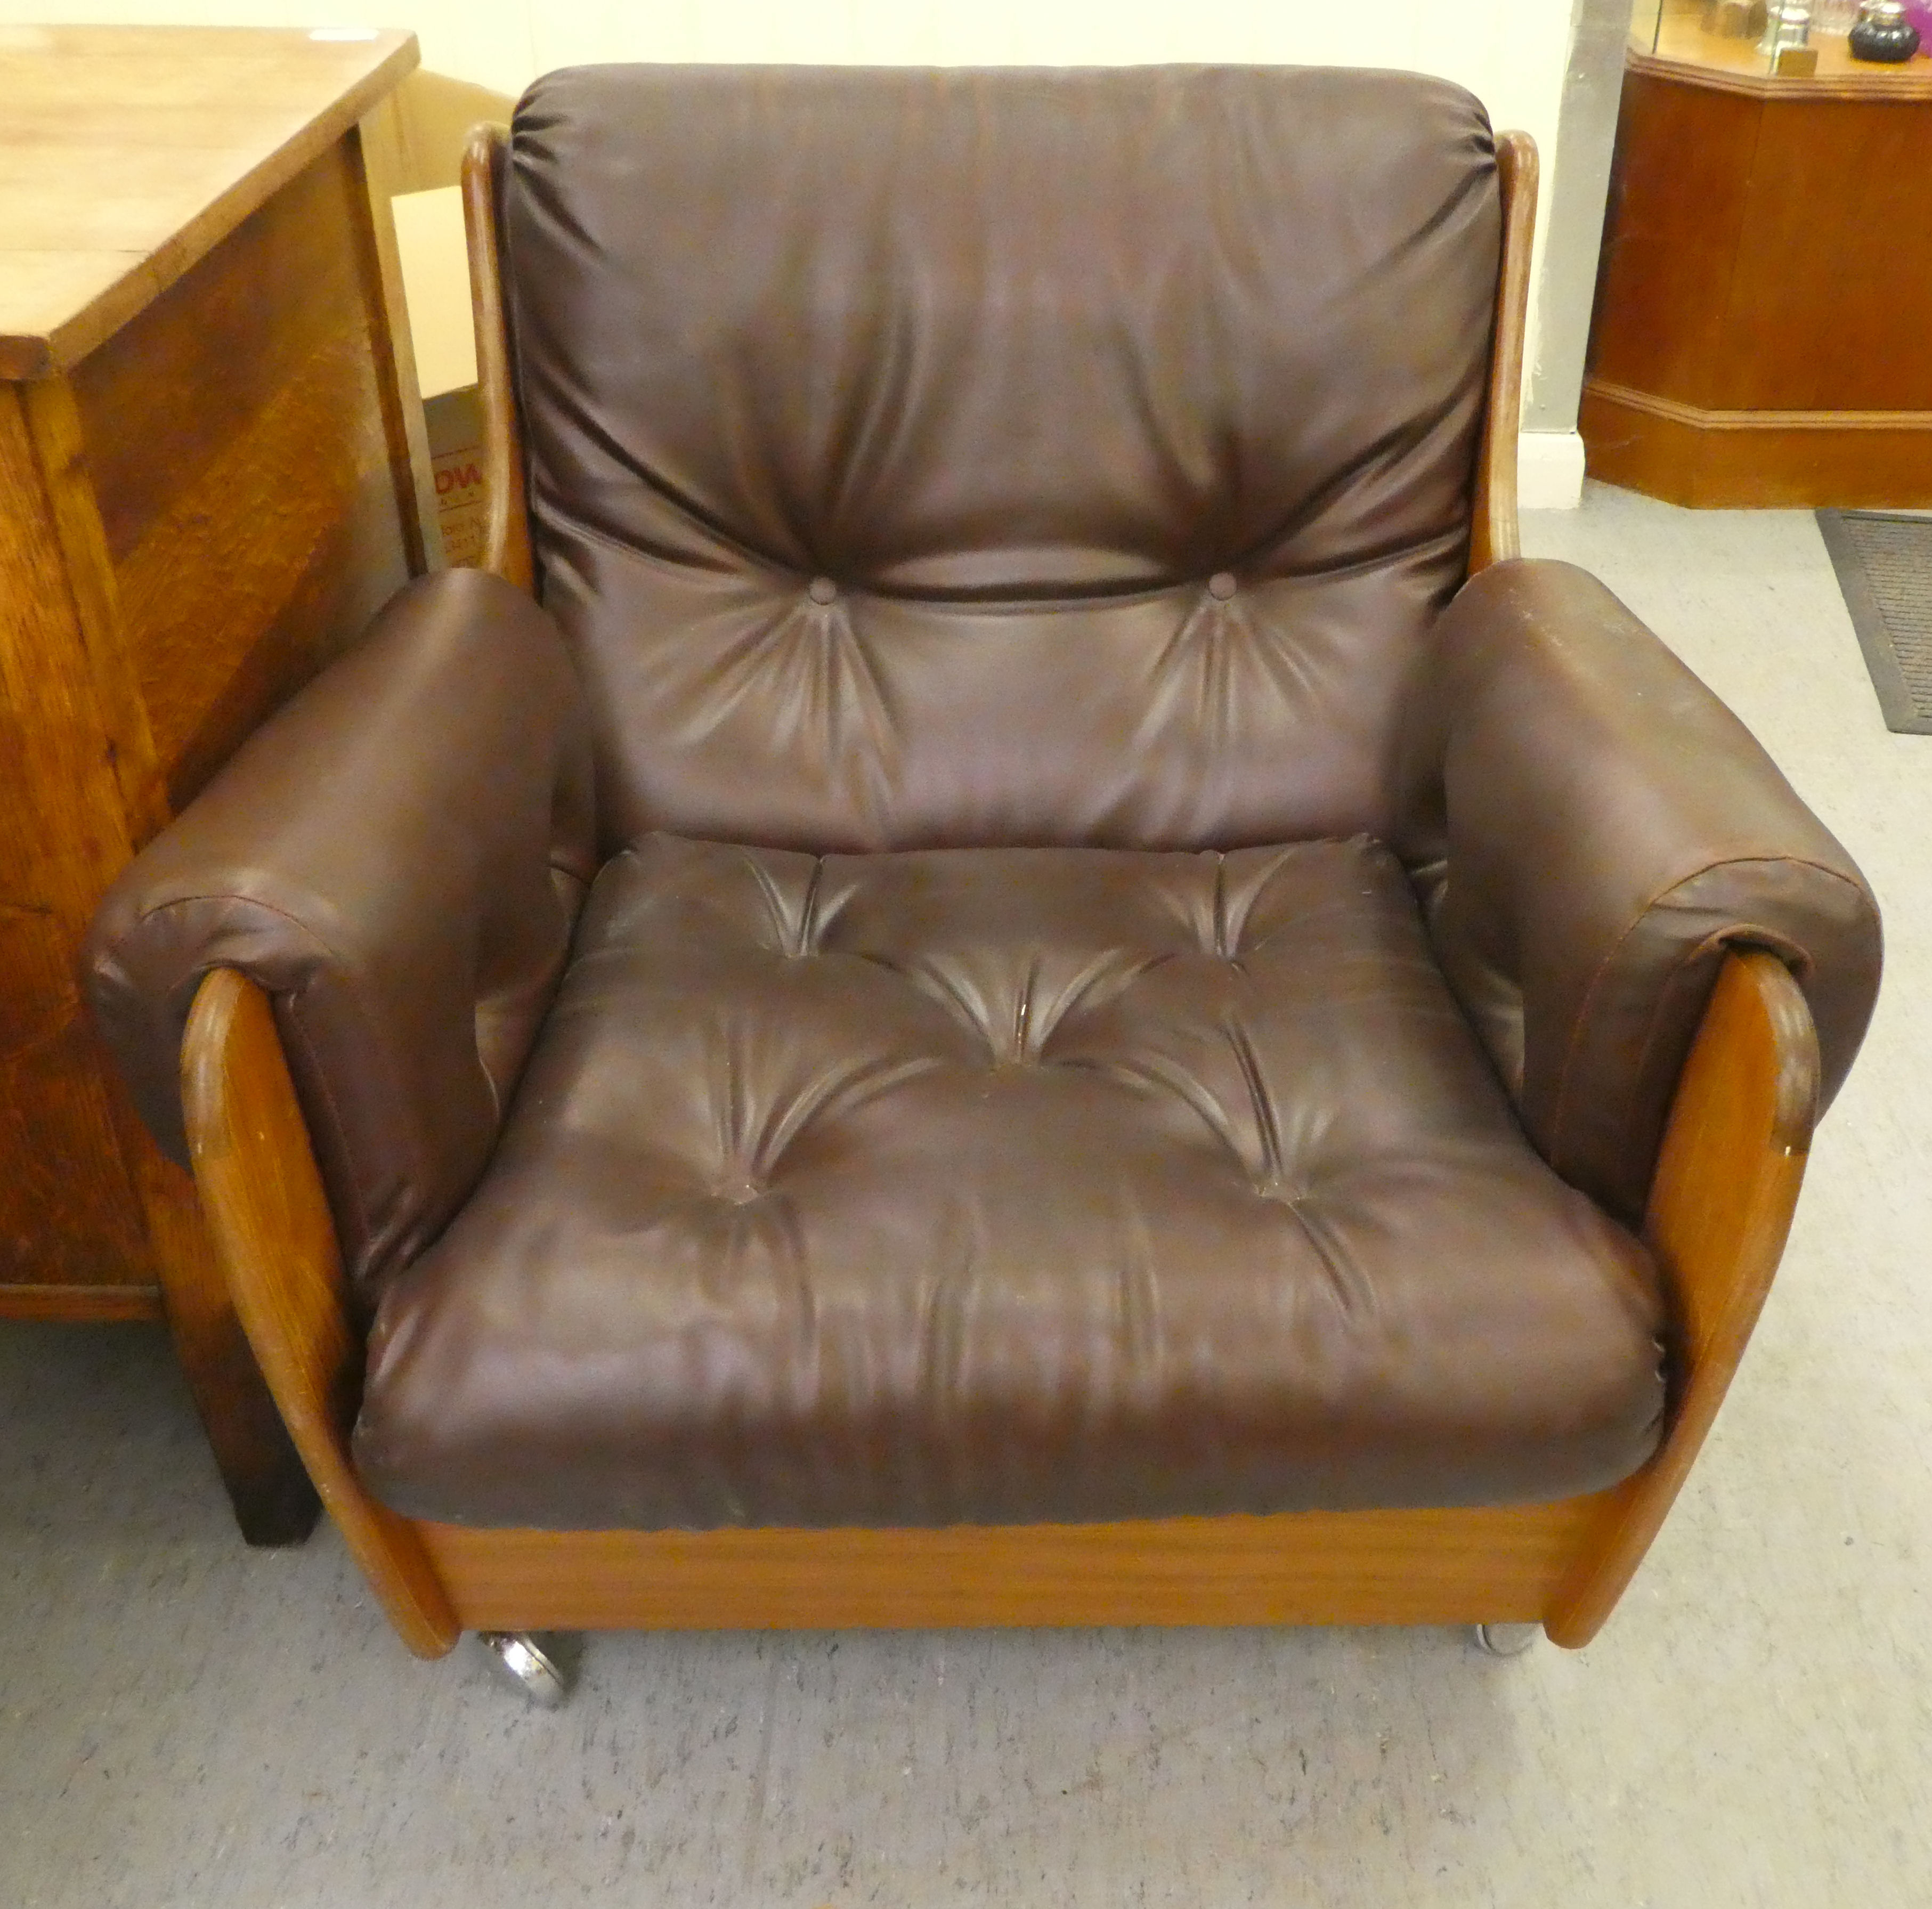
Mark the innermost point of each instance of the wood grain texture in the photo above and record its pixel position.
(1757, 285)
(275, 1243)
(53, 418)
(130, 153)
(1498, 1565)
(67, 1215)
(162, 399)
(1727, 1182)
(246, 465)
(506, 540)
(1493, 528)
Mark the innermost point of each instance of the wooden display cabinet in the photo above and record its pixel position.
(1764, 298)
(212, 472)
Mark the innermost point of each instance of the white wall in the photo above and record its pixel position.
(1512, 54)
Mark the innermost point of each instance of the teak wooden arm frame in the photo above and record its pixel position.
(1726, 1185)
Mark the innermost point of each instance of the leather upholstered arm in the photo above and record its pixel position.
(1589, 828)
(397, 857)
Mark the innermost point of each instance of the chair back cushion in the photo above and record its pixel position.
(1002, 457)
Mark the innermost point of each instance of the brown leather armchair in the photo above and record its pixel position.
(1010, 970)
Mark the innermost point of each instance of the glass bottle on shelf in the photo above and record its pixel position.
(1787, 40)
(1786, 25)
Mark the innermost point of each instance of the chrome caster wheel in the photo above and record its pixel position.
(1506, 1639)
(531, 1661)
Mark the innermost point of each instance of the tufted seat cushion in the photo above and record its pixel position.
(986, 1185)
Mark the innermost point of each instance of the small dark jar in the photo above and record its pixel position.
(1883, 35)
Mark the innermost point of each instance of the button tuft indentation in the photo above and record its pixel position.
(1222, 585)
(822, 590)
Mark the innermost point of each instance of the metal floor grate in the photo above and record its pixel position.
(1884, 563)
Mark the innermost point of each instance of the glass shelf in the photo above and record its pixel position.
(1731, 36)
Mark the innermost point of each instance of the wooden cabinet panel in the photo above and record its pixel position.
(249, 500)
(1678, 195)
(68, 1216)
(1831, 299)
(209, 480)
(175, 385)
(68, 1213)
(1764, 289)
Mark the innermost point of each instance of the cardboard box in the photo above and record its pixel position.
(414, 146)
(435, 282)
(455, 421)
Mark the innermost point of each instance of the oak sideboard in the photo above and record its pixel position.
(212, 471)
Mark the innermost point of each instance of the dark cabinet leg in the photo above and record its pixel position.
(274, 1503)
(268, 1485)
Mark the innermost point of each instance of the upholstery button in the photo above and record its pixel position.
(1221, 585)
(821, 589)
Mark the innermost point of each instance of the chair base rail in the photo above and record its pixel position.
(1501, 1564)
(1726, 1184)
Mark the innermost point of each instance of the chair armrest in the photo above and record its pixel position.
(1589, 828)
(397, 858)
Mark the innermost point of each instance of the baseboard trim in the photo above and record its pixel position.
(1549, 470)
(1697, 417)
(1712, 459)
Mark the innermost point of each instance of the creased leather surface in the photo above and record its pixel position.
(1006, 1185)
(1592, 828)
(397, 857)
(1014, 366)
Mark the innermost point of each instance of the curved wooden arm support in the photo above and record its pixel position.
(506, 537)
(1720, 1207)
(1493, 533)
(1732, 1159)
(276, 1242)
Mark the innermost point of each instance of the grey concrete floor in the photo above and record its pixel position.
(184, 1722)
